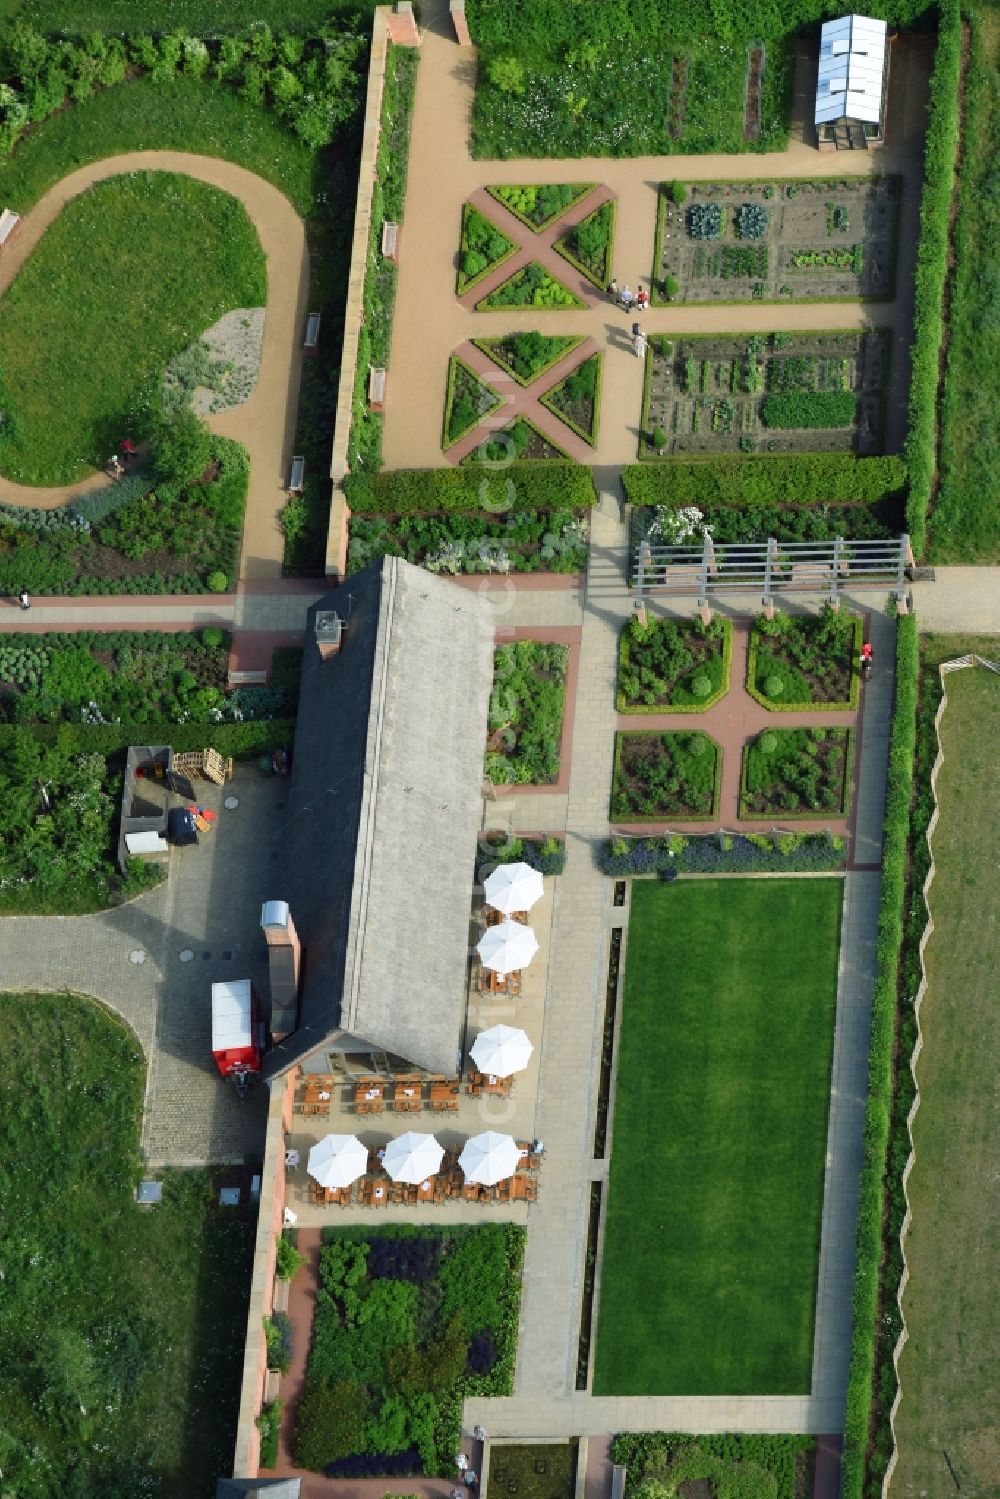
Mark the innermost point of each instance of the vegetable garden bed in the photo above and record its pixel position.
(812, 240)
(526, 714)
(800, 661)
(797, 773)
(658, 775)
(530, 289)
(769, 393)
(680, 665)
(527, 355)
(408, 1322)
(482, 248)
(577, 399)
(539, 206)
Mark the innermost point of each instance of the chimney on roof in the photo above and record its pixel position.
(284, 957)
(330, 630)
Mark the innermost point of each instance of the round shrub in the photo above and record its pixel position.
(701, 686)
(774, 686)
(659, 438)
(768, 742)
(217, 582)
(697, 745)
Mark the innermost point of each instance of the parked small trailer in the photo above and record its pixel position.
(236, 1045)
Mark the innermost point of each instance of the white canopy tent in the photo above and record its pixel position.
(507, 946)
(413, 1157)
(490, 1158)
(513, 887)
(502, 1050)
(337, 1160)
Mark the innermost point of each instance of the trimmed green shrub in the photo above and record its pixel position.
(940, 155)
(795, 479)
(678, 193)
(217, 582)
(269, 1425)
(881, 1050)
(287, 1259)
(523, 486)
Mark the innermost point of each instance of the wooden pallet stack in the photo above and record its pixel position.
(206, 764)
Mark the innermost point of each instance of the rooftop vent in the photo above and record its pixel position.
(329, 632)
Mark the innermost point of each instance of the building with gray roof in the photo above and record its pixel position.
(384, 808)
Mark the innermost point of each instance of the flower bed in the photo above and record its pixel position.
(680, 665)
(527, 355)
(138, 677)
(589, 244)
(530, 289)
(727, 1466)
(798, 661)
(539, 206)
(141, 535)
(519, 441)
(483, 247)
(547, 855)
(526, 713)
(467, 401)
(577, 399)
(657, 776)
(408, 1322)
(468, 542)
(797, 773)
(723, 853)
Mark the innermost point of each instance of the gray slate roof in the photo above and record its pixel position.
(384, 809)
(275, 1488)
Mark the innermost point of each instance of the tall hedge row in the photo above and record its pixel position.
(878, 1110)
(799, 479)
(940, 153)
(518, 486)
(532, 25)
(241, 740)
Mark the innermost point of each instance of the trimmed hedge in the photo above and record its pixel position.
(834, 478)
(243, 741)
(940, 156)
(878, 1110)
(520, 486)
(547, 855)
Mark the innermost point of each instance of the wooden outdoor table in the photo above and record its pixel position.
(425, 1191)
(444, 1096)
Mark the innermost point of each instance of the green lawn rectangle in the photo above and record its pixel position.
(711, 1251)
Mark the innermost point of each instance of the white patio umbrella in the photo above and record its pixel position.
(508, 945)
(513, 887)
(412, 1157)
(337, 1160)
(502, 1050)
(489, 1158)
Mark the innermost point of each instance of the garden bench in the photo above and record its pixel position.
(311, 341)
(9, 221)
(272, 1385)
(618, 1472)
(390, 241)
(297, 475)
(246, 679)
(376, 388)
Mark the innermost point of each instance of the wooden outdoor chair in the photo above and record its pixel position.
(501, 1192)
(523, 1189)
(317, 1196)
(529, 1162)
(471, 1192)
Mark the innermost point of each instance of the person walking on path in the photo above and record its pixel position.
(479, 1432)
(461, 1461)
(627, 297)
(641, 344)
(641, 300)
(24, 599)
(613, 291)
